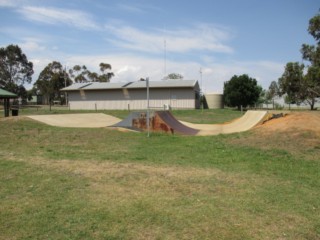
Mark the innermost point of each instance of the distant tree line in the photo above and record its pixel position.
(55, 77)
(16, 70)
(301, 83)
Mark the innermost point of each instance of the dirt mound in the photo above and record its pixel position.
(297, 133)
(304, 121)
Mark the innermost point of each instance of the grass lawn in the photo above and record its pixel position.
(68, 183)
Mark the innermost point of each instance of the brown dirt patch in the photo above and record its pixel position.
(303, 121)
(298, 133)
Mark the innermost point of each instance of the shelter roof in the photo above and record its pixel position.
(6, 94)
(132, 85)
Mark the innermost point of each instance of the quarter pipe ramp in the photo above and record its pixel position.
(165, 121)
(249, 120)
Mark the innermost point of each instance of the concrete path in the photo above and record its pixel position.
(86, 120)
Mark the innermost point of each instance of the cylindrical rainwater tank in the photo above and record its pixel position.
(214, 100)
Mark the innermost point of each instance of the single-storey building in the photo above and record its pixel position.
(178, 94)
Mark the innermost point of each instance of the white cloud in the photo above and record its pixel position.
(138, 8)
(130, 8)
(200, 37)
(131, 68)
(46, 15)
(32, 45)
(7, 3)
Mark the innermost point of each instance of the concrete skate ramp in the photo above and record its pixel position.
(246, 122)
(87, 120)
(175, 126)
(127, 122)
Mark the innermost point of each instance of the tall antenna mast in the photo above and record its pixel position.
(165, 57)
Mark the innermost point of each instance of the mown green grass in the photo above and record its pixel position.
(64, 183)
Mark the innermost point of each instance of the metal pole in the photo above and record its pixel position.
(201, 93)
(65, 84)
(148, 107)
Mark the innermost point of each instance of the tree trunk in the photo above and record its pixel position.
(312, 104)
(273, 104)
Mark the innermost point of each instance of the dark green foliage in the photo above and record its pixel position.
(175, 76)
(82, 74)
(294, 84)
(15, 69)
(106, 75)
(290, 83)
(241, 91)
(52, 78)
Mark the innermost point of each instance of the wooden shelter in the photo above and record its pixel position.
(6, 96)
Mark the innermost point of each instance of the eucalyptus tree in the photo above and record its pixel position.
(175, 76)
(311, 53)
(79, 74)
(291, 82)
(297, 86)
(272, 92)
(51, 80)
(106, 75)
(15, 69)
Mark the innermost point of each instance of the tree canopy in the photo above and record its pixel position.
(174, 76)
(82, 74)
(106, 75)
(52, 78)
(241, 91)
(290, 82)
(15, 69)
(297, 86)
(271, 93)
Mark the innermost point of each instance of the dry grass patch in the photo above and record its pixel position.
(151, 202)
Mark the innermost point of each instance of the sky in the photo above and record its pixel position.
(205, 40)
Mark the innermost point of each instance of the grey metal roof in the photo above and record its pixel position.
(132, 85)
(103, 85)
(164, 84)
(75, 86)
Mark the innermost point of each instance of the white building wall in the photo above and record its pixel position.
(133, 99)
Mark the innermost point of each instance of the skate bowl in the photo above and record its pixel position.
(164, 121)
(160, 121)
